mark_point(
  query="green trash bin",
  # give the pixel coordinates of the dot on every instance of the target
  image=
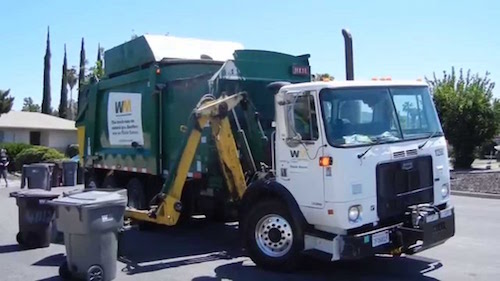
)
(90, 221)
(35, 217)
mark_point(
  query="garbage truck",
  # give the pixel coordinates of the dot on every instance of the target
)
(339, 169)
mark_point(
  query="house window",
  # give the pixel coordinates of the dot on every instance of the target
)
(35, 138)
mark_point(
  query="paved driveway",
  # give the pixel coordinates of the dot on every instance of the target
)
(205, 251)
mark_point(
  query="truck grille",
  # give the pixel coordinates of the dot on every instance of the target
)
(403, 183)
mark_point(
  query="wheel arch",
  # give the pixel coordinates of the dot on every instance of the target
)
(270, 189)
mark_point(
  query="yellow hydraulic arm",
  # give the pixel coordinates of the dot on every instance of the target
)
(215, 112)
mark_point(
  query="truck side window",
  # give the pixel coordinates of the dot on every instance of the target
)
(304, 117)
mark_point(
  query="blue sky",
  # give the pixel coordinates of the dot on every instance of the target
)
(401, 39)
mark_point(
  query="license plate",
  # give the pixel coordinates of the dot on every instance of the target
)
(380, 238)
(431, 218)
(446, 213)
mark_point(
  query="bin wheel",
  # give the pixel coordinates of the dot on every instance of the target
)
(95, 273)
(64, 272)
(19, 238)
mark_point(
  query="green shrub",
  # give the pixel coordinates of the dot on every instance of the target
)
(72, 150)
(37, 154)
(13, 149)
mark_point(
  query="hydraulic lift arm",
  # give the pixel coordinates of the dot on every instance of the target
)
(167, 212)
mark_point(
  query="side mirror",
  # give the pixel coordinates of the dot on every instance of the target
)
(294, 141)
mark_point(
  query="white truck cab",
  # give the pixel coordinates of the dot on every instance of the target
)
(367, 164)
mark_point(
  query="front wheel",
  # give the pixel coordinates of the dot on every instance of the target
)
(273, 240)
(95, 273)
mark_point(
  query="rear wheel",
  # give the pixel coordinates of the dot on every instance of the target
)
(19, 238)
(64, 272)
(109, 182)
(135, 194)
(95, 273)
(272, 238)
(91, 181)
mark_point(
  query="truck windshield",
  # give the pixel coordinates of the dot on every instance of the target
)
(365, 116)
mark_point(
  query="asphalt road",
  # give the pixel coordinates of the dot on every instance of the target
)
(203, 251)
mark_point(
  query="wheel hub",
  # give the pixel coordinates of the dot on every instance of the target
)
(274, 235)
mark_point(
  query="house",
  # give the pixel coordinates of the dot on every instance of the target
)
(37, 129)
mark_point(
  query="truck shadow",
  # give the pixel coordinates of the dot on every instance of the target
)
(194, 242)
(371, 269)
(203, 241)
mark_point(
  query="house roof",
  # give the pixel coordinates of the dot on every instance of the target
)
(34, 120)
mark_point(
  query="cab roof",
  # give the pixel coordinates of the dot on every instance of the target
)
(355, 83)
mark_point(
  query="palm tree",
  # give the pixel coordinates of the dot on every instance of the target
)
(71, 76)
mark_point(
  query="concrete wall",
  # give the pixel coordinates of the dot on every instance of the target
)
(61, 139)
(55, 139)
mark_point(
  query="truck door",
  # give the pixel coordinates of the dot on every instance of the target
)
(298, 148)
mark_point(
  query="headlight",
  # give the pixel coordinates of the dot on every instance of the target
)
(445, 190)
(439, 151)
(354, 213)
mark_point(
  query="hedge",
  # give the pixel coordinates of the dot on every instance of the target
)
(13, 149)
(37, 154)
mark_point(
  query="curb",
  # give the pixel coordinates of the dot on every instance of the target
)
(475, 194)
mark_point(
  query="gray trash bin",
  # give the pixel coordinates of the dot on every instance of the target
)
(37, 175)
(69, 173)
(35, 217)
(90, 221)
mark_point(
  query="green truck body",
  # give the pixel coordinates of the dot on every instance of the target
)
(132, 122)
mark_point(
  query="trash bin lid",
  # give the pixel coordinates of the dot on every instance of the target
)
(34, 193)
(42, 164)
(93, 198)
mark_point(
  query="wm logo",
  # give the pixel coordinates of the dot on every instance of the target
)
(123, 106)
(294, 153)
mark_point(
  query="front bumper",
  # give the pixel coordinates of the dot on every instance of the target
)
(434, 229)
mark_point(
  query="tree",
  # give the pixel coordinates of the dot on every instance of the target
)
(73, 107)
(97, 71)
(6, 101)
(71, 76)
(322, 77)
(81, 73)
(467, 110)
(63, 103)
(29, 105)
(46, 78)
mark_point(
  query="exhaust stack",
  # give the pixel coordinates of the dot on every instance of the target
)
(349, 61)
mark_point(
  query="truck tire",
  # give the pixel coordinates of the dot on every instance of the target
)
(135, 194)
(109, 182)
(273, 240)
(91, 181)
